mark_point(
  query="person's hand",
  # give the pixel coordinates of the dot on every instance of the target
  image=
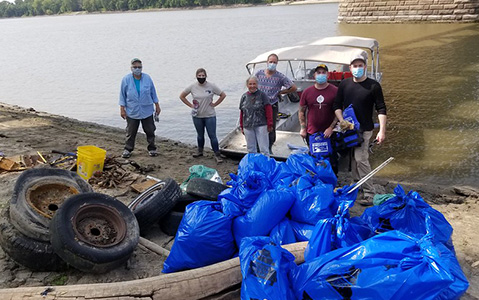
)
(157, 110)
(303, 133)
(123, 113)
(270, 128)
(328, 132)
(380, 137)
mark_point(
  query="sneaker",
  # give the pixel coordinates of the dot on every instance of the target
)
(366, 201)
(198, 154)
(218, 158)
(152, 153)
(126, 154)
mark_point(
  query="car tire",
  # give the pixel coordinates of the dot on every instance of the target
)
(30, 253)
(170, 223)
(37, 195)
(155, 203)
(183, 201)
(94, 232)
(205, 189)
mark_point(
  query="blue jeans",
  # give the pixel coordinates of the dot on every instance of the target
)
(210, 124)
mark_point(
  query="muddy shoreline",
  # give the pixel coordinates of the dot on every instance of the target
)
(26, 131)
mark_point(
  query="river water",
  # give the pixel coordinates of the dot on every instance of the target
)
(73, 65)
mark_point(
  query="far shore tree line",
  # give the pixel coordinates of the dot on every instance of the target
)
(52, 7)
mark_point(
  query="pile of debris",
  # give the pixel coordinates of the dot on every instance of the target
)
(113, 175)
(22, 162)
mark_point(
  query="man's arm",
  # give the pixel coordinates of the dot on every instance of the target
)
(291, 89)
(302, 120)
(381, 136)
(339, 114)
(122, 100)
(329, 131)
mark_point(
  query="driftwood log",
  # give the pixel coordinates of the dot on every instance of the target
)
(192, 284)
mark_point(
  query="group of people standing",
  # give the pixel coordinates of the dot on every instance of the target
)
(321, 108)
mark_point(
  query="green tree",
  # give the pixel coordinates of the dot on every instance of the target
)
(37, 7)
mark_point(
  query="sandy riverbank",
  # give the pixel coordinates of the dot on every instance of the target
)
(25, 131)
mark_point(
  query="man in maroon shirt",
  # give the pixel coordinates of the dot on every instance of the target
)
(316, 112)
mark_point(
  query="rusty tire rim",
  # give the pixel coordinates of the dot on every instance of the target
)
(46, 198)
(99, 226)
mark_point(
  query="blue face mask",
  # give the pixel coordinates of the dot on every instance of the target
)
(136, 72)
(357, 72)
(272, 67)
(321, 78)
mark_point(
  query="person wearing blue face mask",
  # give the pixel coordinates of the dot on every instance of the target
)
(365, 95)
(138, 104)
(316, 112)
(271, 82)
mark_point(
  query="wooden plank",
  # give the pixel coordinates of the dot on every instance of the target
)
(142, 186)
(7, 164)
(192, 284)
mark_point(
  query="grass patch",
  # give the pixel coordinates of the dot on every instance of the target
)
(60, 279)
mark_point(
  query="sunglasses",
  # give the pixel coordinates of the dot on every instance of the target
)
(136, 67)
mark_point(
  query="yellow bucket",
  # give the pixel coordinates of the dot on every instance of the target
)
(90, 159)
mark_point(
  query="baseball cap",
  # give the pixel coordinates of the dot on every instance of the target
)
(362, 55)
(134, 60)
(321, 66)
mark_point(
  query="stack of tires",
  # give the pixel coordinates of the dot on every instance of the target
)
(54, 220)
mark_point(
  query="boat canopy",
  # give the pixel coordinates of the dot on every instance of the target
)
(349, 41)
(319, 53)
(333, 50)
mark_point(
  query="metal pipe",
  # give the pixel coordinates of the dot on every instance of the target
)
(369, 175)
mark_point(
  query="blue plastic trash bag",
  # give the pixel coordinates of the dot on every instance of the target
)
(244, 192)
(304, 164)
(302, 231)
(204, 237)
(392, 265)
(265, 268)
(256, 162)
(343, 196)
(283, 233)
(406, 213)
(277, 172)
(314, 201)
(270, 208)
(460, 284)
(336, 232)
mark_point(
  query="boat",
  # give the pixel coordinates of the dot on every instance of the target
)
(298, 63)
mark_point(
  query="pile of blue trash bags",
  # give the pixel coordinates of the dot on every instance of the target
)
(400, 249)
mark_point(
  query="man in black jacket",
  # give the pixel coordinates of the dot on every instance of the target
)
(365, 94)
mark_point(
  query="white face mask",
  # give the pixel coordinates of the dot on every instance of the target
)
(272, 66)
(357, 72)
(136, 72)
